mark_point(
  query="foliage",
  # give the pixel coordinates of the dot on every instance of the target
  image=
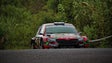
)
(20, 19)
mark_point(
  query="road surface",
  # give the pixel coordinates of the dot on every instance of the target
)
(76, 55)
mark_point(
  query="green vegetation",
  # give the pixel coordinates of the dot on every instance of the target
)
(20, 19)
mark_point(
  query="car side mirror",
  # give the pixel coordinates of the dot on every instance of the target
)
(41, 34)
(79, 33)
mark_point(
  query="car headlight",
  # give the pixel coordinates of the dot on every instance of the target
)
(80, 39)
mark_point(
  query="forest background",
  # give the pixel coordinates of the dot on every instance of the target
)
(20, 19)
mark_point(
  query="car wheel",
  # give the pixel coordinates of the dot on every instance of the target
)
(34, 46)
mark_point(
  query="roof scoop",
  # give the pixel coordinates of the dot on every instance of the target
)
(59, 23)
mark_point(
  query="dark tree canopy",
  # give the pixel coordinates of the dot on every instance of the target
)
(20, 19)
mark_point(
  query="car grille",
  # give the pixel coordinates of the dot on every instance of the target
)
(64, 42)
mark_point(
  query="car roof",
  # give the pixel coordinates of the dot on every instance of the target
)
(65, 24)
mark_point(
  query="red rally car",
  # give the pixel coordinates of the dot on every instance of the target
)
(58, 35)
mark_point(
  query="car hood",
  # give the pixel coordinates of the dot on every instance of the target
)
(65, 36)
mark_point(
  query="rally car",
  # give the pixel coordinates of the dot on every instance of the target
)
(58, 35)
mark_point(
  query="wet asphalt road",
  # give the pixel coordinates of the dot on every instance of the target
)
(76, 55)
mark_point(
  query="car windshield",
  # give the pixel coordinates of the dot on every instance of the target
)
(60, 29)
